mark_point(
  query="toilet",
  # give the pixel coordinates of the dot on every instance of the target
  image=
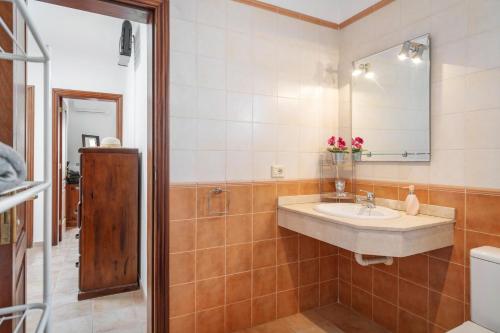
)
(485, 292)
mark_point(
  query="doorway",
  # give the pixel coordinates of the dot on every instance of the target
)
(93, 113)
(155, 14)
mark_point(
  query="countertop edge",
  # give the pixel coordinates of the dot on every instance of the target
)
(326, 218)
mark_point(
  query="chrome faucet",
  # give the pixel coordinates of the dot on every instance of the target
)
(369, 202)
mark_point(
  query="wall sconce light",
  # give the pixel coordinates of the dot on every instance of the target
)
(412, 50)
(363, 68)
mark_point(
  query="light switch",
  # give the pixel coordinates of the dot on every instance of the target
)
(277, 171)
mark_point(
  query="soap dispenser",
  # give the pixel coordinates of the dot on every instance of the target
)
(412, 204)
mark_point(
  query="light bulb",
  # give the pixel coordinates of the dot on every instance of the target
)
(402, 56)
(356, 72)
(370, 75)
(416, 60)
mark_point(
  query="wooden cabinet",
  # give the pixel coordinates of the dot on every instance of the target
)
(72, 197)
(108, 218)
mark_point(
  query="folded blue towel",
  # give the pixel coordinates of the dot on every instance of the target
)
(12, 168)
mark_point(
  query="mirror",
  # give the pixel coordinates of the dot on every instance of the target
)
(390, 102)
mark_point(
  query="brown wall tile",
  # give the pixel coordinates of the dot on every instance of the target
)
(238, 258)
(308, 297)
(182, 324)
(238, 316)
(308, 247)
(362, 302)
(287, 249)
(390, 269)
(238, 229)
(328, 292)
(264, 226)
(447, 278)
(263, 309)
(345, 292)
(287, 188)
(181, 235)
(309, 272)
(386, 192)
(210, 321)
(415, 269)
(288, 276)
(362, 276)
(210, 263)
(264, 197)
(182, 267)
(445, 311)
(385, 286)
(326, 249)
(328, 268)
(385, 314)
(210, 293)
(409, 323)
(210, 232)
(182, 203)
(181, 299)
(308, 187)
(345, 270)
(454, 199)
(244, 243)
(287, 303)
(483, 212)
(239, 199)
(413, 298)
(264, 253)
(284, 232)
(264, 281)
(238, 287)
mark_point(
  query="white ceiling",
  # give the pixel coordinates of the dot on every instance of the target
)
(331, 10)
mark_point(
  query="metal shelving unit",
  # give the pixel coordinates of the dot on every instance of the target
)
(30, 190)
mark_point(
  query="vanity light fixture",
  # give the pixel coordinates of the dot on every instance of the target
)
(417, 58)
(412, 50)
(370, 75)
(356, 72)
(405, 51)
(363, 68)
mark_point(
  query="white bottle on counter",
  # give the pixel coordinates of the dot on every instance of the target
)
(412, 204)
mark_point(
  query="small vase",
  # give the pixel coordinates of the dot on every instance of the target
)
(340, 186)
(338, 157)
(356, 156)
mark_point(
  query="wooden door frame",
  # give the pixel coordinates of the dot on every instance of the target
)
(58, 95)
(158, 144)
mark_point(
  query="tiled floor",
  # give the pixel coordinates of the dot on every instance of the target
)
(124, 313)
(333, 318)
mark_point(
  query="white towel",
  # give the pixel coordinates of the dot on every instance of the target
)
(12, 168)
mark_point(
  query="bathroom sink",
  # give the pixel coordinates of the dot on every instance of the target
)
(357, 211)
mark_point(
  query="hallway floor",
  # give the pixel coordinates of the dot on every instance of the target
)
(333, 318)
(124, 313)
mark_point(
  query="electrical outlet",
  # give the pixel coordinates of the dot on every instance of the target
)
(277, 171)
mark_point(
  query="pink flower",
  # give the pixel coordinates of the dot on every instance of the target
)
(331, 141)
(359, 140)
(341, 143)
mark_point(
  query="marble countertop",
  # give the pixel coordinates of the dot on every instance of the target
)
(430, 216)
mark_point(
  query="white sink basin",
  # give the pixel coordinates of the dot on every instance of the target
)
(357, 211)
